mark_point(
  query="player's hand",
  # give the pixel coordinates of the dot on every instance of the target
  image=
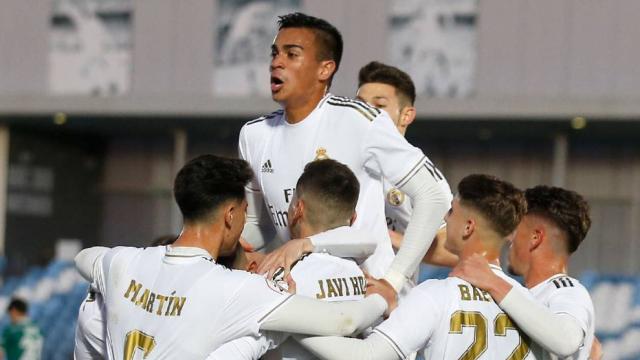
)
(284, 256)
(384, 289)
(596, 350)
(475, 269)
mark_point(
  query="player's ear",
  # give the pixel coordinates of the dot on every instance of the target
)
(469, 228)
(298, 212)
(407, 115)
(229, 210)
(326, 70)
(537, 236)
(354, 216)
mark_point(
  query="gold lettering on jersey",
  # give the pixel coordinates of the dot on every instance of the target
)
(135, 287)
(150, 301)
(341, 287)
(464, 292)
(321, 154)
(395, 197)
(473, 294)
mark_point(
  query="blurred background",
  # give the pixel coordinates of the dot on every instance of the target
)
(102, 101)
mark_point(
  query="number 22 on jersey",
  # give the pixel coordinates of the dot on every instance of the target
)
(502, 323)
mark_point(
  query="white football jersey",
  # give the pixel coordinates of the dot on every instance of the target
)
(349, 131)
(91, 330)
(397, 208)
(318, 276)
(177, 303)
(451, 319)
(565, 295)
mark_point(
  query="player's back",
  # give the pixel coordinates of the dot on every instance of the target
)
(450, 319)
(474, 327)
(168, 303)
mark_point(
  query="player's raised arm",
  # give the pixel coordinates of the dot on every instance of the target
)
(412, 172)
(374, 347)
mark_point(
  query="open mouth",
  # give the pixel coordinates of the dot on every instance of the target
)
(276, 84)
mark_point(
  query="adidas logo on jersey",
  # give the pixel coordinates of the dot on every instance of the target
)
(266, 167)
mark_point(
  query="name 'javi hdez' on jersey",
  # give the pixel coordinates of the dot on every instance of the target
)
(349, 131)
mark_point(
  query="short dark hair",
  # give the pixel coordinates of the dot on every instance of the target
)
(377, 72)
(331, 192)
(327, 36)
(206, 182)
(566, 208)
(19, 305)
(499, 202)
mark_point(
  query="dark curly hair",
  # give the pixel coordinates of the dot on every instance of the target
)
(501, 203)
(567, 209)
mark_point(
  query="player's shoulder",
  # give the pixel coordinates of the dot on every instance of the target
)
(323, 262)
(561, 286)
(265, 119)
(351, 107)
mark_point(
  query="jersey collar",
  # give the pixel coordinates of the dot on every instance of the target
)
(187, 252)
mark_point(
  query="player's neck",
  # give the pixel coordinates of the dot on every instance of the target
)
(542, 269)
(485, 248)
(201, 236)
(297, 111)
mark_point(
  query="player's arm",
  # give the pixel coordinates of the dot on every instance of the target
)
(405, 166)
(244, 348)
(88, 264)
(437, 254)
(304, 315)
(344, 241)
(257, 229)
(559, 333)
(431, 199)
(342, 348)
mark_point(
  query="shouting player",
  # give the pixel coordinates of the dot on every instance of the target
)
(451, 319)
(175, 301)
(391, 89)
(314, 124)
(561, 322)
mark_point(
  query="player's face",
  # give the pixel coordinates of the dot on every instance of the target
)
(519, 255)
(382, 96)
(456, 221)
(294, 67)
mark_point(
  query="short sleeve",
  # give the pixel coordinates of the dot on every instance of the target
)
(410, 327)
(388, 153)
(253, 300)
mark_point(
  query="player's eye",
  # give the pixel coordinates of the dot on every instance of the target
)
(292, 54)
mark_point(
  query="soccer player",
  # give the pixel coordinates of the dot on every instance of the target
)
(21, 339)
(561, 319)
(388, 88)
(451, 319)
(91, 330)
(313, 124)
(175, 301)
(325, 198)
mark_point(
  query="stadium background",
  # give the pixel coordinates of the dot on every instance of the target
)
(543, 91)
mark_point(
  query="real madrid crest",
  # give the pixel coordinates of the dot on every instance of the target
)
(321, 154)
(395, 197)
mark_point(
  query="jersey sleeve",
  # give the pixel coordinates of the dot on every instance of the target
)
(345, 242)
(251, 302)
(575, 302)
(412, 324)
(388, 153)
